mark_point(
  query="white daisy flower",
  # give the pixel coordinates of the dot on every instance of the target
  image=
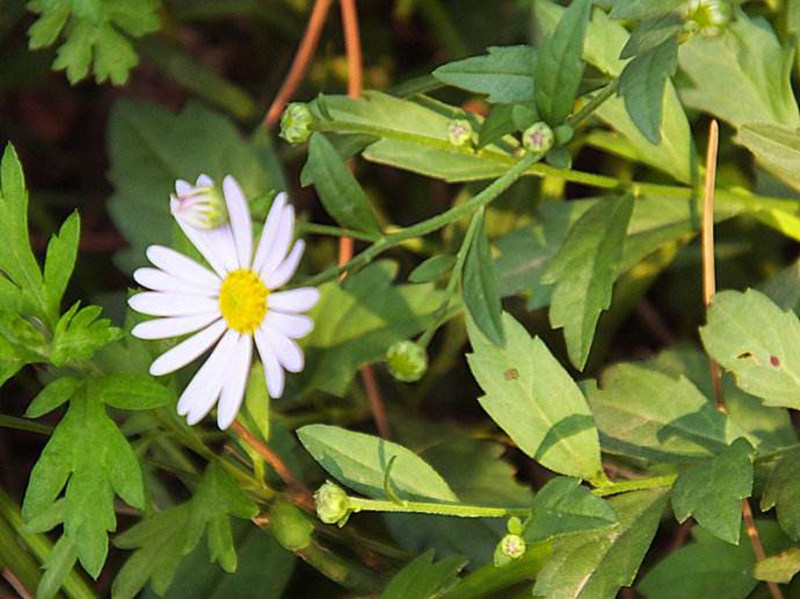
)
(232, 306)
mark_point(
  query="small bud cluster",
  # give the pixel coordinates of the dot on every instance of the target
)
(460, 133)
(333, 504)
(512, 546)
(407, 361)
(538, 138)
(296, 123)
(707, 17)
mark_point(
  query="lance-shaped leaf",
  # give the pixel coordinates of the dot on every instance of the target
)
(432, 268)
(338, 189)
(562, 507)
(360, 461)
(651, 33)
(712, 491)
(424, 578)
(533, 399)
(480, 287)
(642, 9)
(757, 341)
(583, 273)
(782, 492)
(779, 568)
(505, 74)
(598, 563)
(60, 261)
(216, 499)
(776, 147)
(560, 65)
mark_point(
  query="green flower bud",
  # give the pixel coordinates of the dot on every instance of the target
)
(200, 206)
(290, 527)
(709, 18)
(514, 526)
(460, 132)
(407, 361)
(564, 134)
(333, 504)
(538, 137)
(559, 157)
(296, 123)
(510, 548)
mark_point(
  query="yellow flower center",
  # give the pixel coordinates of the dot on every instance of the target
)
(243, 300)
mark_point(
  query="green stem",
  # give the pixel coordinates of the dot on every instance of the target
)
(22, 424)
(350, 575)
(480, 200)
(314, 228)
(637, 484)
(359, 504)
(593, 104)
(490, 579)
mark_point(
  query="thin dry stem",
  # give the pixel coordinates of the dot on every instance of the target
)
(16, 584)
(305, 52)
(755, 541)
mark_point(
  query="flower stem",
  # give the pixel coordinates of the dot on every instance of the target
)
(317, 229)
(593, 104)
(359, 504)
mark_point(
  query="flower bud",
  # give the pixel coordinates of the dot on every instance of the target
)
(407, 361)
(201, 206)
(333, 504)
(460, 132)
(707, 17)
(290, 527)
(538, 138)
(509, 548)
(296, 123)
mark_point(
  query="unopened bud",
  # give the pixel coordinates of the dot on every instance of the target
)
(460, 132)
(290, 526)
(333, 504)
(407, 361)
(538, 138)
(201, 206)
(510, 548)
(296, 123)
(707, 17)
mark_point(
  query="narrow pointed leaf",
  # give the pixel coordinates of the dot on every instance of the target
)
(481, 289)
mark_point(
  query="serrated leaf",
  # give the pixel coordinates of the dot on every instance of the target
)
(712, 491)
(757, 341)
(89, 455)
(114, 57)
(216, 499)
(131, 391)
(779, 568)
(79, 333)
(62, 250)
(642, 84)
(583, 273)
(499, 123)
(560, 65)
(432, 268)
(52, 396)
(562, 507)
(338, 189)
(506, 74)
(651, 33)
(360, 461)
(533, 399)
(480, 287)
(649, 415)
(57, 566)
(598, 563)
(642, 9)
(782, 492)
(424, 578)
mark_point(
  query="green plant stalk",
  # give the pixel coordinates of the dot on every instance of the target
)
(74, 585)
(593, 104)
(22, 424)
(480, 200)
(359, 504)
(350, 575)
(303, 228)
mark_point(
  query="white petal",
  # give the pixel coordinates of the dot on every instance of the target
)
(242, 226)
(286, 350)
(181, 266)
(156, 303)
(163, 328)
(203, 390)
(269, 231)
(187, 350)
(158, 280)
(294, 300)
(234, 386)
(272, 369)
(204, 181)
(293, 326)
(280, 244)
(215, 245)
(182, 186)
(285, 271)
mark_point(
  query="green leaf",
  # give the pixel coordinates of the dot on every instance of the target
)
(355, 322)
(709, 567)
(782, 492)
(497, 125)
(480, 287)
(338, 189)
(562, 507)
(779, 568)
(757, 341)
(60, 261)
(649, 415)
(52, 396)
(652, 33)
(776, 147)
(360, 461)
(114, 57)
(750, 55)
(159, 542)
(79, 334)
(642, 9)
(533, 399)
(216, 499)
(712, 491)
(506, 74)
(783, 288)
(424, 578)
(89, 455)
(583, 273)
(131, 391)
(57, 566)
(150, 148)
(45, 30)
(642, 84)
(598, 563)
(21, 343)
(257, 400)
(559, 68)
(432, 269)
